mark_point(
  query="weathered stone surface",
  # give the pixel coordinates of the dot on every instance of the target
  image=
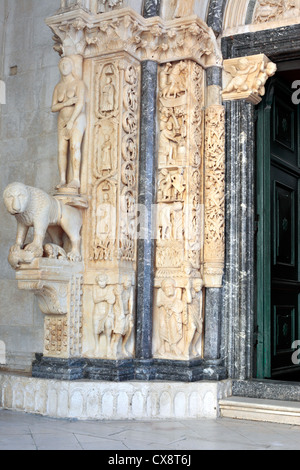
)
(105, 400)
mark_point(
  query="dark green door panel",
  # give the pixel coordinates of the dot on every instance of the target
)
(278, 196)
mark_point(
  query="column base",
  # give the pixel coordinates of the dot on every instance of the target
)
(58, 369)
(195, 370)
(109, 370)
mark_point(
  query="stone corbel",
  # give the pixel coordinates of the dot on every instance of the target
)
(52, 297)
(245, 78)
(49, 279)
(57, 285)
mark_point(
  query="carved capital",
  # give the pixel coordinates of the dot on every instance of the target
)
(90, 35)
(245, 78)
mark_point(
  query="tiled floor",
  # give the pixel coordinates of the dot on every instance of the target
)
(20, 431)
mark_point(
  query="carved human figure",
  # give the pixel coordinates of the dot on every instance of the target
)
(69, 101)
(184, 8)
(173, 80)
(128, 306)
(103, 315)
(105, 163)
(266, 72)
(170, 308)
(165, 185)
(107, 97)
(169, 143)
(105, 218)
(123, 314)
(240, 75)
(177, 221)
(170, 221)
(119, 320)
(192, 329)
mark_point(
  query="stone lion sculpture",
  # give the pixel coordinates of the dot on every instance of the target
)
(34, 208)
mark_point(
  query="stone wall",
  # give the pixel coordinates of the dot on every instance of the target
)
(28, 66)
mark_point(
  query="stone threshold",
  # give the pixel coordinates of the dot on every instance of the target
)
(264, 410)
(267, 389)
(103, 400)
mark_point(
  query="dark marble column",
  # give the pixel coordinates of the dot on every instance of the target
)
(215, 15)
(213, 310)
(238, 316)
(146, 245)
(151, 8)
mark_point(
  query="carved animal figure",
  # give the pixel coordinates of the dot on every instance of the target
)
(33, 207)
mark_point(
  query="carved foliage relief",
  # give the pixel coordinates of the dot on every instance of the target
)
(179, 238)
(214, 195)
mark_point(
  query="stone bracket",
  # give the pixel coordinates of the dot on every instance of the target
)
(245, 78)
(57, 285)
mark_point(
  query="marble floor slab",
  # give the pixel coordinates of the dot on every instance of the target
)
(20, 431)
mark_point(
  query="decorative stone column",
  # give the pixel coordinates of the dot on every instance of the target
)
(244, 80)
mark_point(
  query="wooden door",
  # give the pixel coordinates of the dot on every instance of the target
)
(279, 230)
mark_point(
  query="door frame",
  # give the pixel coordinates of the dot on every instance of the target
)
(239, 320)
(263, 239)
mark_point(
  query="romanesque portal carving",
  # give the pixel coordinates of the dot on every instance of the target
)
(84, 277)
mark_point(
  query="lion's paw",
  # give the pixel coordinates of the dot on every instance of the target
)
(74, 256)
(35, 249)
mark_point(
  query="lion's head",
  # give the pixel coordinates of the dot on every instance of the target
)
(16, 198)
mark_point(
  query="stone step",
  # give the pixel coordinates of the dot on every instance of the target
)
(255, 409)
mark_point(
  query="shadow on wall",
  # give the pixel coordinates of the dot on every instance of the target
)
(2, 353)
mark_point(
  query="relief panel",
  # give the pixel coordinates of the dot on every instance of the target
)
(109, 238)
(178, 309)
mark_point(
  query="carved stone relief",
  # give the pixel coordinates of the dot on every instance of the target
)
(214, 195)
(57, 285)
(179, 240)
(245, 77)
(125, 30)
(34, 208)
(69, 101)
(110, 233)
(113, 318)
(274, 10)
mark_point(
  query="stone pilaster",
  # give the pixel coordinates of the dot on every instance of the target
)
(237, 329)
